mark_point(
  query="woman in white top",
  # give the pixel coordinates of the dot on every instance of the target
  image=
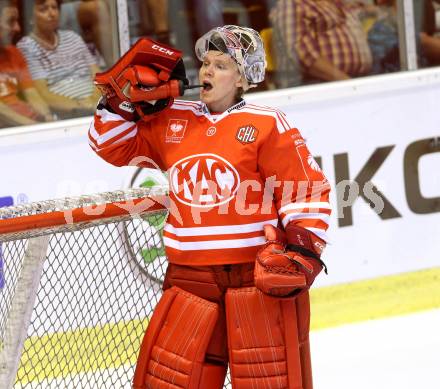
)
(60, 62)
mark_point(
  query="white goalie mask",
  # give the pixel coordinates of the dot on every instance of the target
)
(243, 44)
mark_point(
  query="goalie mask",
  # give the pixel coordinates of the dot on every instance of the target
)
(243, 44)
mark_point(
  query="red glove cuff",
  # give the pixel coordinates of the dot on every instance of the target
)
(304, 242)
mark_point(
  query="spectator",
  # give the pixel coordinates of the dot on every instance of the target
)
(429, 47)
(94, 20)
(208, 15)
(60, 62)
(68, 17)
(287, 72)
(153, 20)
(329, 39)
(15, 78)
(383, 38)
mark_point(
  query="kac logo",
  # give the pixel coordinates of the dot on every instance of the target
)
(204, 180)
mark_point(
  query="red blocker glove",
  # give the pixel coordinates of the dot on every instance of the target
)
(289, 262)
(144, 81)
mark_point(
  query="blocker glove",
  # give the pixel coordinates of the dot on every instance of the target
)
(144, 81)
(289, 261)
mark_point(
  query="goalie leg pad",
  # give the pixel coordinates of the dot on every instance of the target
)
(264, 350)
(173, 350)
(213, 376)
(302, 305)
(211, 283)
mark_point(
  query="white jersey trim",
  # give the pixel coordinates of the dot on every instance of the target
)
(200, 109)
(92, 145)
(114, 132)
(302, 216)
(131, 134)
(185, 106)
(303, 206)
(196, 104)
(107, 116)
(214, 244)
(320, 233)
(219, 230)
(282, 124)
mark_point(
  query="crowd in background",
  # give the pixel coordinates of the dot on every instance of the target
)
(47, 65)
(50, 50)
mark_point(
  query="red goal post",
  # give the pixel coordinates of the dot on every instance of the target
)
(79, 279)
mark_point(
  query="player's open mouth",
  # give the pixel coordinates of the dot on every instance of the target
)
(207, 86)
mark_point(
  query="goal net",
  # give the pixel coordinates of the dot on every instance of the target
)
(79, 278)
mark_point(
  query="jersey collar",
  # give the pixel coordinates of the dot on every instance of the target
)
(215, 117)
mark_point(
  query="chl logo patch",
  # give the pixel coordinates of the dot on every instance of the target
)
(247, 134)
(175, 130)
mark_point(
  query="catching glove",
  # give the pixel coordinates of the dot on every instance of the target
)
(289, 261)
(144, 81)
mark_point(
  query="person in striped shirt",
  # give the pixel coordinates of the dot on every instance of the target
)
(60, 63)
(249, 210)
(327, 37)
(20, 102)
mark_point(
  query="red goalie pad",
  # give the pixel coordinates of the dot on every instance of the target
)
(265, 349)
(172, 354)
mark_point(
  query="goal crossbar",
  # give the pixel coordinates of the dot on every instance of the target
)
(38, 217)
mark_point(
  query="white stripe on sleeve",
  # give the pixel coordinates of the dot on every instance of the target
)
(114, 132)
(219, 230)
(302, 206)
(214, 244)
(296, 216)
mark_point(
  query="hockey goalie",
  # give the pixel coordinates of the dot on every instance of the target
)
(249, 210)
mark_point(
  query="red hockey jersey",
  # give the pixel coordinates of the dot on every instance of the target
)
(229, 175)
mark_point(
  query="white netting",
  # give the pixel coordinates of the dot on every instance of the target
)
(99, 285)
